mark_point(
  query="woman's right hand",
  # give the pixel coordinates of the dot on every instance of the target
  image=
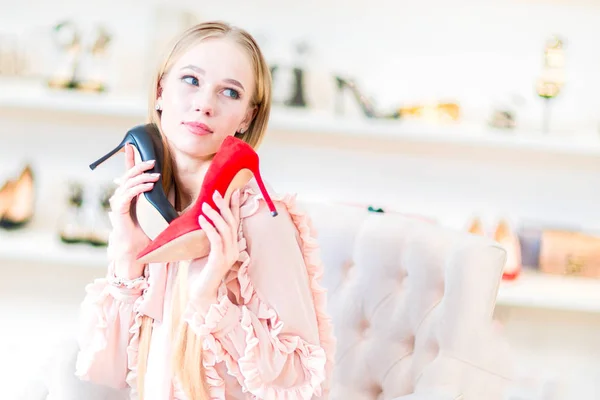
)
(127, 239)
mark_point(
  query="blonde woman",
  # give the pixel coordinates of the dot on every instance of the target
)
(248, 320)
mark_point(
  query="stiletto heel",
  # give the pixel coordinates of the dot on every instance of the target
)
(153, 210)
(231, 169)
(366, 106)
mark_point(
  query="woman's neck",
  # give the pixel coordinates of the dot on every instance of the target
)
(189, 175)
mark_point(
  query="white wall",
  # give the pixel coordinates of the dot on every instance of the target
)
(479, 52)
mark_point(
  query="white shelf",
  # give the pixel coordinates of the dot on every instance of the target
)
(34, 95)
(555, 292)
(44, 247)
(529, 290)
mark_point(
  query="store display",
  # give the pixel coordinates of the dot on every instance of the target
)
(552, 78)
(17, 200)
(437, 112)
(81, 60)
(366, 105)
(86, 218)
(289, 81)
(68, 44)
(507, 238)
(573, 253)
(93, 69)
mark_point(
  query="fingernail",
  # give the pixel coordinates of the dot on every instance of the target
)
(155, 175)
(150, 162)
(217, 193)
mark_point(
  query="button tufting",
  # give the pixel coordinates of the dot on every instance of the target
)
(403, 274)
(401, 277)
(377, 390)
(364, 328)
(346, 268)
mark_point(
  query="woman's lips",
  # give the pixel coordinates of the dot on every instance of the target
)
(198, 128)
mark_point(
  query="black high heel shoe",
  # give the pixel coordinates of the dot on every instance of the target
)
(364, 103)
(153, 210)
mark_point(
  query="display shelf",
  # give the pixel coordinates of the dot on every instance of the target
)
(531, 289)
(557, 292)
(34, 95)
(45, 248)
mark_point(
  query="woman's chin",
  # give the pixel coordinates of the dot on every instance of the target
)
(200, 147)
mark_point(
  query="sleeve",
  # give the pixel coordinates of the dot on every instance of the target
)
(271, 342)
(108, 324)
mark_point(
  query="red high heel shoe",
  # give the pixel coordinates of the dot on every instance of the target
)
(232, 167)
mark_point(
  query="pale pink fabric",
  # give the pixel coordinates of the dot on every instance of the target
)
(268, 337)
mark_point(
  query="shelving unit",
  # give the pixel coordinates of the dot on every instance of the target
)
(531, 289)
(34, 95)
(44, 247)
(40, 245)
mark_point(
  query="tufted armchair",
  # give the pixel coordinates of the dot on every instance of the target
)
(412, 305)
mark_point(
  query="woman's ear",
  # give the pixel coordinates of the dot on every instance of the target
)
(250, 114)
(159, 89)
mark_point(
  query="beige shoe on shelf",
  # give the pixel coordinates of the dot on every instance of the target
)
(17, 200)
(507, 238)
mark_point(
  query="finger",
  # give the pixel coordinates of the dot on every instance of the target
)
(125, 200)
(139, 179)
(137, 169)
(217, 220)
(225, 210)
(216, 243)
(129, 156)
(234, 209)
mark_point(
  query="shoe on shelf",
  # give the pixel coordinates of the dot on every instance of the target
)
(72, 226)
(507, 238)
(99, 225)
(17, 200)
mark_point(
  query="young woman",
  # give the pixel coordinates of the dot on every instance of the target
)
(249, 319)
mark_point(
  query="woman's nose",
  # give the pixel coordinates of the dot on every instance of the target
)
(203, 102)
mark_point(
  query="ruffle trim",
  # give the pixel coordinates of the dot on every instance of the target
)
(316, 360)
(133, 346)
(310, 250)
(312, 357)
(213, 352)
(97, 292)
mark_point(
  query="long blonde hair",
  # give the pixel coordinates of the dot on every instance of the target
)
(187, 348)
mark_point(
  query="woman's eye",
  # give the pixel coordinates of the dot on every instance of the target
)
(190, 80)
(234, 94)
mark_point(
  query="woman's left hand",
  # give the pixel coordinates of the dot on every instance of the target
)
(223, 237)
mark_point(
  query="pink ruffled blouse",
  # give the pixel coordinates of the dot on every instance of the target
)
(267, 337)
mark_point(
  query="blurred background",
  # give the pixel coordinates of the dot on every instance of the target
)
(483, 116)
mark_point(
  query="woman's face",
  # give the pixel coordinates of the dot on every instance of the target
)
(206, 97)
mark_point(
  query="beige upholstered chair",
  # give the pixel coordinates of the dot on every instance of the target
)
(412, 306)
